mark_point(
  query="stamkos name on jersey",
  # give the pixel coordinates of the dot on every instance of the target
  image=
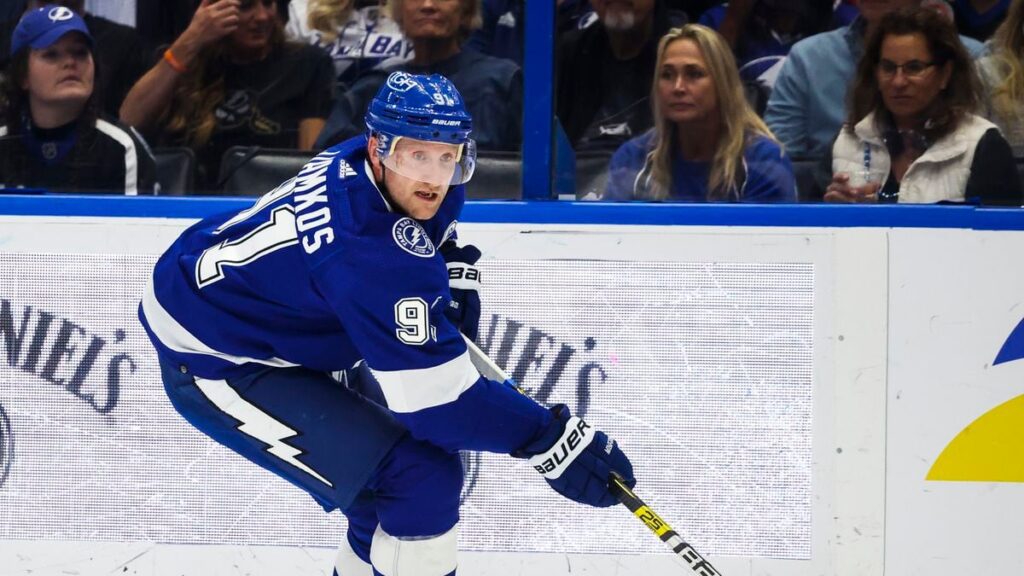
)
(313, 224)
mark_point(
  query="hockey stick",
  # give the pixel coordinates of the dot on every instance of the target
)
(697, 564)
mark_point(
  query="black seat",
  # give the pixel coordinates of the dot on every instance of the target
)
(812, 176)
(757, 95)
(592, 174)
(175, 170)
(254, 171)
(498, 176)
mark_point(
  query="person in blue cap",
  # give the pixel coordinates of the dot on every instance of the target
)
(251, 312)
(52, 136)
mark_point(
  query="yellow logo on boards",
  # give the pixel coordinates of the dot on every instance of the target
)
(990, 449)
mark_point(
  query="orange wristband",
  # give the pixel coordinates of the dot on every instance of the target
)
(174, 63)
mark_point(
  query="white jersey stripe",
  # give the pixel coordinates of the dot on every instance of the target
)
(414, 390)
(131, 155)
(177, 338)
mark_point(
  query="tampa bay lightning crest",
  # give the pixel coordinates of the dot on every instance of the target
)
(412, 238)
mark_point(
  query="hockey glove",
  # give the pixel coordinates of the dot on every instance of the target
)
(464, 283)
(577, 460)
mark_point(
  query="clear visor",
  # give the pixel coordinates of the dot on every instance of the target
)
(434, 163)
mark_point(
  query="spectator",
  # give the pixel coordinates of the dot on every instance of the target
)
(492, 87)
(807, 105)
(231, 79)
(979, 18)
(572, 15)
(911, 135)
(358, 34)
(52, 137)
(761, 32)
(605, 72)
(502, 29)
(120, 53)
(708, 144)
(502, 33)
(1002, 73)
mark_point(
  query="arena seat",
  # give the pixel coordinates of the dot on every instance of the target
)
(175, 170)
(811, 178)
(498, 176)
(254, 171)
(592, 174)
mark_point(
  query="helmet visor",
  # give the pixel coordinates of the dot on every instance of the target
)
(436, 163)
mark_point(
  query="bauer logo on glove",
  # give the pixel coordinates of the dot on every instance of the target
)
(576, 437)
(577, 460)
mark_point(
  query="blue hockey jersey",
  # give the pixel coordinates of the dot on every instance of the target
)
(322, 272)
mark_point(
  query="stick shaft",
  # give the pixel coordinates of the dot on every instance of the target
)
(697, 564)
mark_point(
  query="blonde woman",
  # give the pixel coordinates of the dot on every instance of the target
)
(230, 79)
(707, 144)
(359, 35)
(1002, 73)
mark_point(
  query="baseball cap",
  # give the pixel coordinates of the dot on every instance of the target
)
(42, 27)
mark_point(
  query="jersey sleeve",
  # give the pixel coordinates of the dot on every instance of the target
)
(389, 287)
(770, 176)
(623, 168)
(786, 114)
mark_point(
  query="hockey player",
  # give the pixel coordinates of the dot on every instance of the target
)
(251, 312)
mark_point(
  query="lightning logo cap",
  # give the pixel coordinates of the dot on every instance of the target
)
(42, 27)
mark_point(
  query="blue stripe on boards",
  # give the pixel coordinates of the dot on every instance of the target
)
(792, 215)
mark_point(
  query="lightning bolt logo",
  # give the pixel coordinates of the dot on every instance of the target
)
(256, 423)
(415, 233)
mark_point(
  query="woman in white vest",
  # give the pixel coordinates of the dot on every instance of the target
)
(912, 135)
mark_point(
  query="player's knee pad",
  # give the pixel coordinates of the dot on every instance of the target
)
(421, 556)
(350, 564)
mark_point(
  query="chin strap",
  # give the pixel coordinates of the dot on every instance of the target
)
(385, 192)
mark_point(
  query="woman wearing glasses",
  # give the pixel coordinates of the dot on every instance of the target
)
(912, 135)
